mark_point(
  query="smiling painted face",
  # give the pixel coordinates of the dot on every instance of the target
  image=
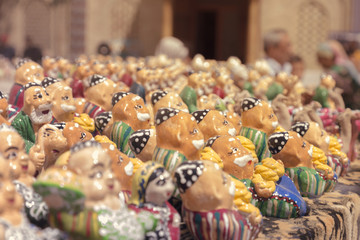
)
(93, 164)
(213, 123)
(130, 109)
(37, 104)
(13, 151)
(292, 149)
(179, 131)
(237, 160)
(259, 115)
(204, 186)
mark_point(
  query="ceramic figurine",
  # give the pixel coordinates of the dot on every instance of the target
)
(235, 120)
(82, 72)
(129, 114)
(281, 111)
(103, 123)
(82, 197)
(74, 133)
(161, 99)
(327, 95)
(258, 122)
(142, 144)
(27, 71)
(35, 113)
(178, 138)
(50, 144)
(272, 192)
(63, 104)
(213, 123)
(207, 194)
(50, 67)
(152, 187)
(100, 91)
(313, 133)
(4, 109)
(189, 96)
(310, 172)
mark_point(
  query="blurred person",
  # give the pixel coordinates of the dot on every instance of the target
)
(297, 66)
(5, 49)
(278, 49)
(32, 51)
(172, 47)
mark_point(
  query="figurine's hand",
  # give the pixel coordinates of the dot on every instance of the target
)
(37, 157)
(255, 219)
(262, 190)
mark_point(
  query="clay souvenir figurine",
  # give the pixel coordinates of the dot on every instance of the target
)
(82, 72)
(50, 144)
(35, 113)
(188, 95)
(178, 138)
(99, 93)
(63, 104)
(3, 109)
(152, 187)
(281, 111)
(272, 192)
(213, 123)
(234, 119)
(142, 144)
(74, 133)
(161, 99)
(50, 67)
(310, 172)
(129, 114)
(82, 197)
(27, 71)
(258, 122)
(327, 94)
(313, 133)
(103, 123)
(208, 209)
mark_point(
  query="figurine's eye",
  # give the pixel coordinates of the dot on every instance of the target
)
(83, 135)
(233, 150)
(179, 104)
(322, 133)
(271, 115)
(303, 145)
(37, 74)
(138, 107)
(160, 182)
(12, 155)
(224, 179)
(65, 98)
(225, 122)
(96, 175)
(39, 95)
(120, 160)
(194, 131)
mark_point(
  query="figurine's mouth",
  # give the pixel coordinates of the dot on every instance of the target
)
(45, 112)
(24, 167)
(11, 200)
(111, 186)
(243, 161)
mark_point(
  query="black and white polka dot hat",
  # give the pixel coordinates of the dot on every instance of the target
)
(60, 125)
(96, 79)
(3, 95)
(164, 114)
(277, 141)
(187, 173)
(156, 96)
(118, 96)
(102, 120)
(48, 81)
(31, 84)
(82, 145)
(139, 139)
(200, 114)
(211, 141)
(301, 128)
(249, 103)
(22, 62)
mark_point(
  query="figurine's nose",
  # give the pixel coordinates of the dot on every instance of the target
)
(9, 188)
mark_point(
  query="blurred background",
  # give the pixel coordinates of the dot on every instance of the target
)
(215, 28)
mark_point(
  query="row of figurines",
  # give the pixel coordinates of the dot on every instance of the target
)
(259, 183)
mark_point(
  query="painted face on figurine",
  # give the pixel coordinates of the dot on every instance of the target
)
(12, 148)
(100, 91)
(120, 165)
(83, 71)
(90, 161)
(313, 133)
(74, 134)
(50, 66)
(161, 99)
(37, 104)
(204, 186)
(53, 142)
(259, 115)
(3, 105)
(28, 71)
(328, 81)
(100, 68)
(213, 123)
(143, 143)
(237, 160)
(292, 149)
(63, 107)
(178, 130)
(151, 184)
(130, 109)
(235, 119)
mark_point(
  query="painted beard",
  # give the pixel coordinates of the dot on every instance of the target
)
(42, 114)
